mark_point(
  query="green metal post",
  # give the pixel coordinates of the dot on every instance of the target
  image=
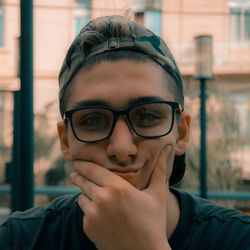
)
(26, 106)
(15, 167)
(203, 153)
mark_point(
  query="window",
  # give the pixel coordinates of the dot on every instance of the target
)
(1, 24)
(247, 23)
(152, 20)
(148, 13)
(82, 14)
(240, 23)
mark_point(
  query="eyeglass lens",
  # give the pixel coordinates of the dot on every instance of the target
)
(93, 124)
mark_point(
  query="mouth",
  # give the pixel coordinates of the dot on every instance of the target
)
(127, 174)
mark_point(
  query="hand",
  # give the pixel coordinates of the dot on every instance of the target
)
(119, 216)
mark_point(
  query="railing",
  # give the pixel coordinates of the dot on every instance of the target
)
(60, 190)
(224, 52)
(47, 190)
(223, 195)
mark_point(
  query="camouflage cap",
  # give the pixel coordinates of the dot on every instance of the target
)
(140, 39)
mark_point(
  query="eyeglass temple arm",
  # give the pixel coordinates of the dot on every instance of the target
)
(180, 109)
(65, 118)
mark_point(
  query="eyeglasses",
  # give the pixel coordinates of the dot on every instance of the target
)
(150, 119)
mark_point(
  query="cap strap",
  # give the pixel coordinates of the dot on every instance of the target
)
(112, 44)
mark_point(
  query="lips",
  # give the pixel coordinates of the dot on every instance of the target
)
(127, 174)
(124, 170)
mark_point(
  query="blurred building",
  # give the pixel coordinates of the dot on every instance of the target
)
(56, 22)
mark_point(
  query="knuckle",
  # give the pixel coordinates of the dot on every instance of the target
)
(103, 198)
(76, 165)
(80, 200)
(86, 224)
(118, 189)
(88, 170)
(90, 216)
(83, 167)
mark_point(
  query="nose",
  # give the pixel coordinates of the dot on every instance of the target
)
(121, 144)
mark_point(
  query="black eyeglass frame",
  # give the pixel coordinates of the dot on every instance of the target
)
(174, 105)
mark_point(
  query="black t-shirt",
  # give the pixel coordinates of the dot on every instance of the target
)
(204, 225)
(58, 225)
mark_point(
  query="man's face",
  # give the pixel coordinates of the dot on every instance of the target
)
(117, 83)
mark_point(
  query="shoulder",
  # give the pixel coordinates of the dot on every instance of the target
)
(57, 206)
(221, 223)
(26, 228)
(215, 226)
(205, 210)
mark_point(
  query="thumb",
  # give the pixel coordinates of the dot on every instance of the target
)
(159, 174)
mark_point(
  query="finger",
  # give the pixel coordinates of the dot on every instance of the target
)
(159, 174)
(99, 175)
(87, 187)
(84, 203)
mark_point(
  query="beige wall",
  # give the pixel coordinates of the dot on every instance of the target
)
(185, 19)
(182, 20)
(109, 7)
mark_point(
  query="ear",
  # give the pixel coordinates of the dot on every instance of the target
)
(64, 144)
(183, 138)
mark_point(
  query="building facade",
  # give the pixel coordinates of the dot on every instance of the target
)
(56, 22)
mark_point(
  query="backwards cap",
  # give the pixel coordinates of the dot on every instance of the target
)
(138, 39)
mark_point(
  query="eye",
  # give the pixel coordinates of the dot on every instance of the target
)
(92, 121)
(146, 118)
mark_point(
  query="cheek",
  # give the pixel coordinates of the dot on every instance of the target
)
(170, 157)
(151, 149)
(156, 146)
(86, 151)
(77, 149)
(82, 151)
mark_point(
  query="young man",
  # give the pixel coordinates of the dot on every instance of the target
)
(126, 132)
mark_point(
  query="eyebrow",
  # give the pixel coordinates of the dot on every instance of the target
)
(137, 100)
(101, 102)
(90, 102)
